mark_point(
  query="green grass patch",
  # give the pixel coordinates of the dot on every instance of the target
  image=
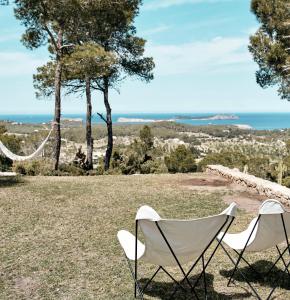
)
(58, 237)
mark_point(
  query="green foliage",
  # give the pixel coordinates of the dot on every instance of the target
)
(87, 61)
(226, 158)
(146, 137)
(181, 160)
(140, 157)
(34, 168)
(260, 167)
(13, 144)
(270, 44)
(288, 146)
(286, 181)
(71, 170)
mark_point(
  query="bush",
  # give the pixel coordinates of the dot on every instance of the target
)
(13, 144)
(153, 167)
(260, 167)
(34, 168)
(231, 159)
(146, 137)
(181, 160)
(286, 181)
(71, 170)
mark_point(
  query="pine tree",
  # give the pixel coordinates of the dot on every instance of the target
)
(270, 45)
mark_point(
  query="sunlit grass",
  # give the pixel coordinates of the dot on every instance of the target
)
(58, 236)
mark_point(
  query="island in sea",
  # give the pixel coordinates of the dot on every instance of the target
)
(207, 118)
(180, 117)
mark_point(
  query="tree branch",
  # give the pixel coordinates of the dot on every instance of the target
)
(47, 29)
(102, 117)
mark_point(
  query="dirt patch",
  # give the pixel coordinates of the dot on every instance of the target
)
(250, 202)
(213, 182)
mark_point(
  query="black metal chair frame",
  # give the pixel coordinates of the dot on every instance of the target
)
(139, 291)
(240, 257)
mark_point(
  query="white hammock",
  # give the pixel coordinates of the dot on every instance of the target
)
(15, 157)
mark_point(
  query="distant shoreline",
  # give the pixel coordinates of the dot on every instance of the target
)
(257, 121)
(209, 117)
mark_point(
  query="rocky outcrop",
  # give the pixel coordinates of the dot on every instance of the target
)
(263, 187)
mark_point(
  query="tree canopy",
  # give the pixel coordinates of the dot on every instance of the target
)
(270, 45)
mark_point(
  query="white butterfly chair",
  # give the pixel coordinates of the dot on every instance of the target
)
(268, 230)
(173, 243)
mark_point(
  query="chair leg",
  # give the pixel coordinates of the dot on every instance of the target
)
(200, 257)
(240, 272)
(174, 255)
(276, 281)
(242, 252)
(204, 277)
(137, 288)
(152, 277)
(282, 258)
(275, 263)
(249, 265)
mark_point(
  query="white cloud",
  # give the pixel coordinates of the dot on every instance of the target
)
(18, 64)
(152, 31)
(209, 56)
(158, 4)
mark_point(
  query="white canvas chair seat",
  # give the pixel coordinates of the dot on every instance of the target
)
(266, 231)
(127, 241)
(169, 242)
(188, 238)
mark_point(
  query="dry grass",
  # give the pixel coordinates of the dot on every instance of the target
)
(58, 237)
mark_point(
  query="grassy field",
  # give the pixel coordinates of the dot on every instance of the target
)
(58, 237)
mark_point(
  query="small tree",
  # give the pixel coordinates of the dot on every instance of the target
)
(146, 137)
(181, 160)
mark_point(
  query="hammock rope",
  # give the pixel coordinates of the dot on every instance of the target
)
(5, 151)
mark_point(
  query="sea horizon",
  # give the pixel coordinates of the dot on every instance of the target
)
(255, 120)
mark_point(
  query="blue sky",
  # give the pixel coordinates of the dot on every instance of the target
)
(201, 56)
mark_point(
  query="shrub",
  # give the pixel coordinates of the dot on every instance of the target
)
(286, 181)
(146, 137)
(13, 144)
(181, 160)
(153, 167)
(34, 167)
(231, 159)
(71, 170)
(259, 166)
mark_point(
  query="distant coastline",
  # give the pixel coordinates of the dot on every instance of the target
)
(180, 117)
(209, 118)
(138, 120)
(257, 121)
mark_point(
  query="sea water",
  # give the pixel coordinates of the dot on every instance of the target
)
(259, 121)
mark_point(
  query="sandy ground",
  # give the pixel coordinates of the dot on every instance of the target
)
(249, 201)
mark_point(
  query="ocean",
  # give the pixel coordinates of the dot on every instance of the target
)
(258, 121)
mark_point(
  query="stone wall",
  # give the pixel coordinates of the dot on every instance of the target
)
(263, 187)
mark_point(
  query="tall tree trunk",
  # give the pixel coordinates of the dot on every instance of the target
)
(57, 109)
(90, 141)
(109, 124)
